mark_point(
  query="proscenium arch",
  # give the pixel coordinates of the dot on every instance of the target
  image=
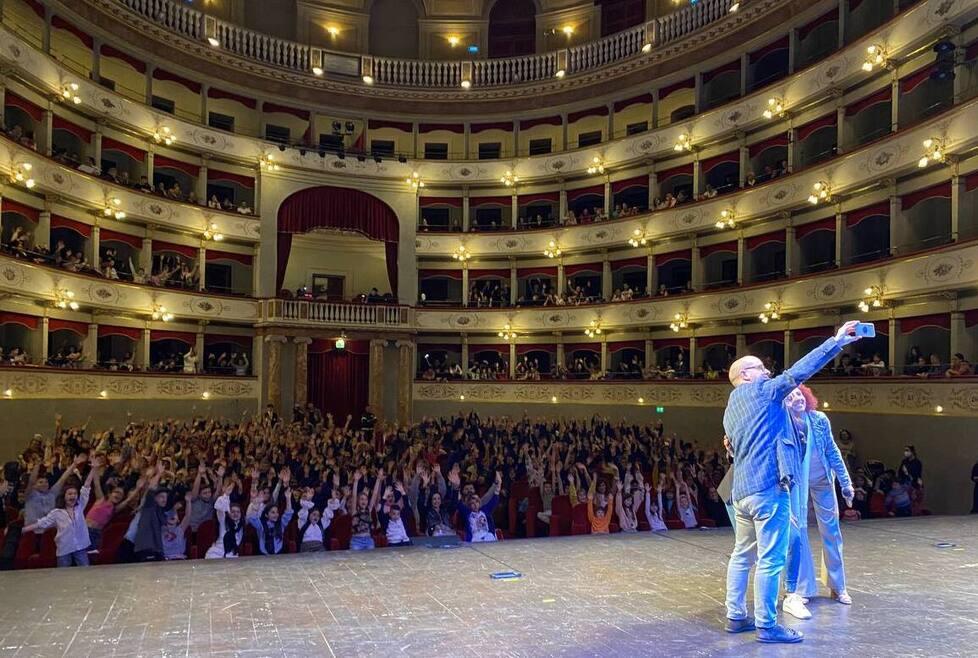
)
(338, 208)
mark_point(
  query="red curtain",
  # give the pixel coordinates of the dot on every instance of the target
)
(339, 208)
(339, 383)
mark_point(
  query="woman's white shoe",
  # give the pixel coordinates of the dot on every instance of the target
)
(842, 597)
(794, 606)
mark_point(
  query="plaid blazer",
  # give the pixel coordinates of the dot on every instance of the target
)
(766, 449)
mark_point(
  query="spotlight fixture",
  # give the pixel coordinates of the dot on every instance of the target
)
(772, 311)
(553, 250)
(453, 40)
(680, 321)
(160, 313)
(65, 299)
(775, 108)
(205, 395)
(341, 341)
(683, 143)
(638, 239)
(22, 174)
(8, 393)
(414, 180)
(875, 56)
(69, 93)
(164, 135)
(461, 254)
(933, 152)
(647, 48)
(507, 333)
(211, 233)
(727, 219)
(820, 192)
(593, 329)
(267, 162)
(561, 64)
(873, 298)
(939, 409)
(368, 79)
(509, 179)
(112, 208)
(596, 166)
(316, 61)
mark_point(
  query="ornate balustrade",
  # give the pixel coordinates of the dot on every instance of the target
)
(870, 395)
(953, 267)
(335, 314)
(430, 74)
(30, 382)
(842, 70)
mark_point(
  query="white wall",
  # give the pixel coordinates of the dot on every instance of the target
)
(361, 261)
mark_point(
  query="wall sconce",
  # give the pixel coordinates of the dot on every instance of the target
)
(933, 152)
(164, 135)
(69, 93)
(333, 31)
(22, 174)
(341, 341)
(875, 56)
(414, 180)
(772, 311)
(507, 333)
(453, 40)
(211, 233)
(461, 254)
(160, 313)
(267, 162)
(597, 166)
(820, 192)
(593, 329)
(112, 208)
(210, 31)
(680, 321)
(683, 143)
(568, 30)
(638, 239)
(65, 299)
(727, 219)
(775, 108)
(509, 179)
(553, 250)
(316, 61)
(874, 298)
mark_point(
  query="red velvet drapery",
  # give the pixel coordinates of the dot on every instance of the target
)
(338, 208)
(338, 382)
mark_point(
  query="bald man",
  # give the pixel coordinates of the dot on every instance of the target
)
(768, 458)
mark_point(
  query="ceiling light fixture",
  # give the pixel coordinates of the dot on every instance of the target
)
(596, 166)
(65, 299)
(933, 152)
(772, 311)
(638, 239)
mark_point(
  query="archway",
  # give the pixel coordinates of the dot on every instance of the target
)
(394, 29)
(512, 28)
(340, 209)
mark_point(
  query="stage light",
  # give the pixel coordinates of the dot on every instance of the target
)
(568, 30)
(461, 397)
(553, 398)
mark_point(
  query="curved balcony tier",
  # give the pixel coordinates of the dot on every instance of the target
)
(948, 268)
(902, 36)
(37, 383)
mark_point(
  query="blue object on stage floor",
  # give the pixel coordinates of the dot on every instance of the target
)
(505, 575)
(944, 544)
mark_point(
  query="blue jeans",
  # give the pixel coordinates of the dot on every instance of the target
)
(761, 536)
(827, 513)
(361, 543)
(799, 571)
(78, 559)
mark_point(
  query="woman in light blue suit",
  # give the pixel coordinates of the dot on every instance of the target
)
(822, 464)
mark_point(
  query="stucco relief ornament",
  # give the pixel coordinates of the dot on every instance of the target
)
(28, 384)
(735, 116)
(854, 397)
(231, 389)
(554, 319)
(205, 306)
(338, 164)
(618, 393)
(437, 392)
(510, 244)
(939, 12)
(884, 158)
(709, 394)
(125, 386)
(600, 235)
(831, 72)
(781, 194)
(556, 164)
(827, 289)
(910, 397)
(646, 313)
(731, 304)
(12, 275)
(79, 386)
(965, 398)
(465, 172)
(210, 140)
(157, 209)
(108, 105)
(103, 293)
(14, 51)
(648, 144)
(688, 218)
(252, 228)
(177, 387)
(942, 268)
(59, 179)
(486, 392)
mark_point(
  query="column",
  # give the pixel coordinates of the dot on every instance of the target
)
(792, 50)
(653, 189)
(313, 134)
(375, 395)
(790, 246)
(958, 333)
(744, 71)
(97, 144)
(891, 356)
(199, 346)
(896, 222)
(301, 395)
(607, 198)
(606, 283)
(466, 139)
(255, 271)
(142, 357)
(839, 233)
(792, 138)
(894, 101)
(43, 351)
(840, 127)
(274, 384)
(46, 35)
(561, 282)
(512, 360)
(90, 346)
(843, 6)
(44, 140)
(745, 161)
(562, 209)
(204, 112)
(611, 122)
(146, 254)
(960, 70)
(466, 213)
(414, 150)
(257, 356)
(696, 267)
(649, 352)
(96, 59)
(741, 253)
(150, 166)
(563, 127)
(516, 138)
(741, 345)
(698, 93)
(202, 268)
(651, 285)
(150, 68)
(786, 357)
(691, 364)
(42, 234)
(405, 381)
(465, 352)
(604, 353)
(655, 109)
(697, 175)
(465, 284)
(201, 190)
(92, 251)
(515, 209)
(514, 283)
(957, 196)
(257, 174)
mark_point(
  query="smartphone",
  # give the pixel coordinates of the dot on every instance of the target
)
(866, 330)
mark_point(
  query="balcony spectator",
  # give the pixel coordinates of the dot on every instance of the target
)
(959, 367)
(213, 203)
(144, 186)
(750, 180)
(89, 167)
(875, 367)
(245, 209)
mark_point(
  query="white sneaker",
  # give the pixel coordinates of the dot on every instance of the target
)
(842, 597)
(794, 606)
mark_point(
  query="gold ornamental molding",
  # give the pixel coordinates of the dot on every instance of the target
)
(60, 384)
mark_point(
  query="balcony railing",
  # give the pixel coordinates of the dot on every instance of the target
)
(294, 56)
(344, 314)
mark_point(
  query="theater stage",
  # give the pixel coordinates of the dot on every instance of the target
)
(638, 595)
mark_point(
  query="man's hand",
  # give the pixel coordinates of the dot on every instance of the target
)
(847, 333)
(849, 494)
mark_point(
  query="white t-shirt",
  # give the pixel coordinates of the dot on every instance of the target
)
(396, 534)
(479, 526)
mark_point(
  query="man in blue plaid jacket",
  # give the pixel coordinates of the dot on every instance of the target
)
(768, 458)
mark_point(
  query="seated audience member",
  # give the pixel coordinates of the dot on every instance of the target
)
(175, 531)
(959, 367)
(476, 515)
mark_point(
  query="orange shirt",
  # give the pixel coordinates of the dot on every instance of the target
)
(599, 524)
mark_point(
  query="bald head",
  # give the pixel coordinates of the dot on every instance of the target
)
(745, 369)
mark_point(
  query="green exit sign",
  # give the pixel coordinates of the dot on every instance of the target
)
(660, 410)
